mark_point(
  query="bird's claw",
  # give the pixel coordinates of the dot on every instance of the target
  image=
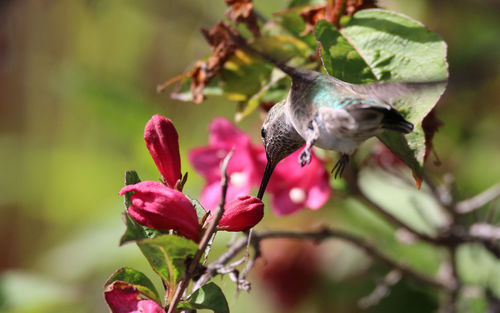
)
(305, 157)
(340, 166)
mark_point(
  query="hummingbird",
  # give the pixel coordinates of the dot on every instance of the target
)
(321, 110)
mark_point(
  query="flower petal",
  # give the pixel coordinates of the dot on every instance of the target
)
(157, 206)
(122, 297)
(162, 142)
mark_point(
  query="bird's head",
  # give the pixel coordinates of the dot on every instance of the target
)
(280, 140)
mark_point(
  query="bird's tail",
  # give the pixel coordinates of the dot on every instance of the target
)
(392, 120)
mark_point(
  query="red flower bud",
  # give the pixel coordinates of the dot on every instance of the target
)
(157, 206)
(162, 142)
(241, 214)
(123, 297)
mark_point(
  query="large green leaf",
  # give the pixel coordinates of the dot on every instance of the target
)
(137, 279)
(167, 255)
(340, 58)
(210, 297)
(394, 47)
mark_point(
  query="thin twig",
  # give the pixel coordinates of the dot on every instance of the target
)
(319, 236)
(335, 11)
(351, 177)
(212, 228)
(479, 200)
(394, 220)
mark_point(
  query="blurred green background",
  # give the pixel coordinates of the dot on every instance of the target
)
(77, 85)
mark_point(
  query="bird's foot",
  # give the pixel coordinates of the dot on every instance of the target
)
(305, 157)
(340, 165)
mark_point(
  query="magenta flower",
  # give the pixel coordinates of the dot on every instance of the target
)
(157, 206)
(291, 187)
(242, 170)
(162, 142)
(241, 214)
(294, 187)
(124, 298)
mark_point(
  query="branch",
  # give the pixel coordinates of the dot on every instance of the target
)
(209, 232)
(479, 200)
(319, 236)
(394, 220)
(351, 178)
(335, 9)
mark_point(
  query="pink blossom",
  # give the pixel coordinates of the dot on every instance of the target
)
(242, 170)
(293, 187)
(241, 214)
(163, 145)
(124, 298)
(157, 206)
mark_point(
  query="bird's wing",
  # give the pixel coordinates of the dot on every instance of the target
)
(388, 91)
(371, 114)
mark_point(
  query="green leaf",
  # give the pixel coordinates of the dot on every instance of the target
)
(167, 255)
(200, 210)
(340, 59)
(243, 75)
(183, 91)
(295, 3)
(137, 279)
(396, 48)
(290, 22)
(210, 297)
(282, 47)
(248, 78)
(134, 230)
(131, 178)
(246, 108)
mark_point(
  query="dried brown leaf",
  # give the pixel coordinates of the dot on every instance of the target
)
(430, 124)
(353, 6)
(311, 16)
(241, 11)
(223, 47)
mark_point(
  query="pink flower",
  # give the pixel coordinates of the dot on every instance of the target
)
(124, 298)
(163, 145)
(241, 214)
(157, 206)
(294, 187)
(242, 170)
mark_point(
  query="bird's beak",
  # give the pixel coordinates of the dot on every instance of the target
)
(265, 179)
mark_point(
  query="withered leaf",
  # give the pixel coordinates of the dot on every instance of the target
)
(311, 16)
(223, 47)
(241, 11)
(431, 125)
(314, 14)
(353, 6)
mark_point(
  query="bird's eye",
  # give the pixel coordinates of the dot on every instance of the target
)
(263, 132)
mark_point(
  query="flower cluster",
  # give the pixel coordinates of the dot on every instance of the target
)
(163, 206)
(292, 187)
